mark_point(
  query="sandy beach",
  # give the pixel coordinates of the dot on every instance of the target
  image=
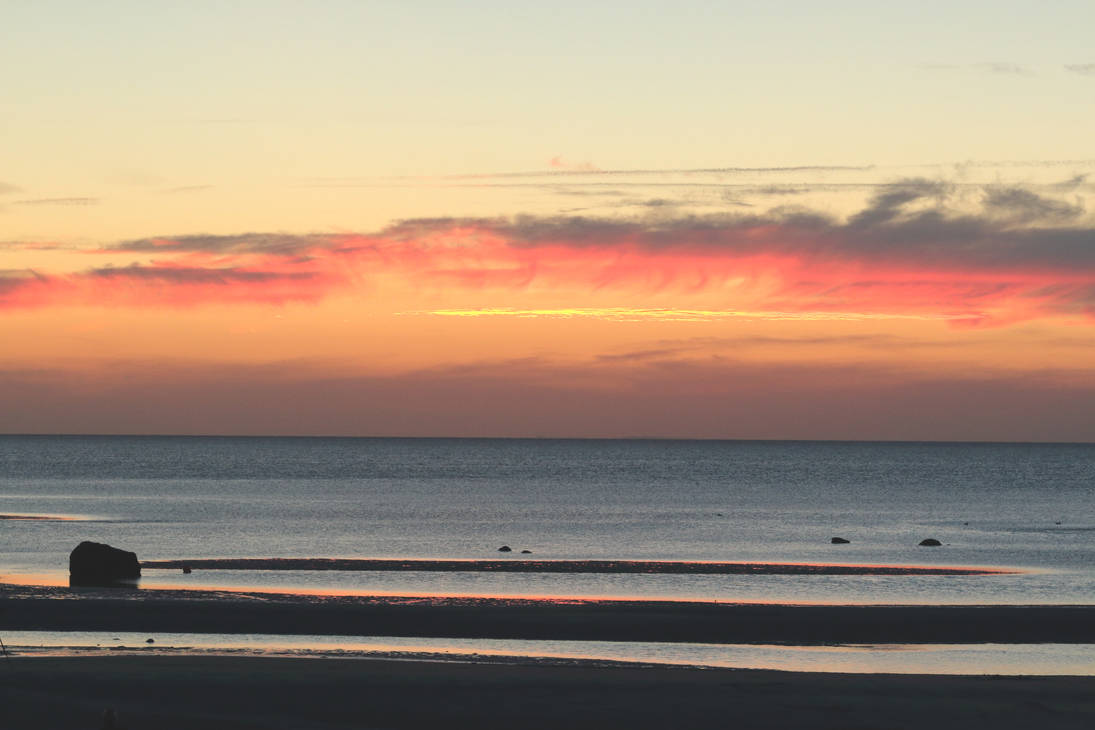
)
(61, 609)
(247, 692)
(242, 691)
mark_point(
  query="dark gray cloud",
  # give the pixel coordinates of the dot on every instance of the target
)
(1072, 183)
(1084, 69)
(285, 244)
(194, 275)
(904, 220)
(907, 221)
(1023, 206)
(888, 202)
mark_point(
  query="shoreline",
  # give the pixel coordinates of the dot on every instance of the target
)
(182, 611)
(276, 692)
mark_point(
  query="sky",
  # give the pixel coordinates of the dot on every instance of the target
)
(668, 220)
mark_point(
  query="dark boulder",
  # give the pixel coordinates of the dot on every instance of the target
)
(930, 542)
(526, 552)
(505, 549)
(93, 563)
(839, 541)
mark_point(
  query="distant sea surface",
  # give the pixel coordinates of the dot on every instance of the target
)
(1025, 507)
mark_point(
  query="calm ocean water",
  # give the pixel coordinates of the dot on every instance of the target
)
(1028, 507)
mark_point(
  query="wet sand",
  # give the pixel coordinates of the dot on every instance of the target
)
(59, 609)
(171, 692)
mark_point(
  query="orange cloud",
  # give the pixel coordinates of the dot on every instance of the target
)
(906, 254)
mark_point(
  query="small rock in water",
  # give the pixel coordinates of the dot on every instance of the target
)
(526, 552)
(150, 641)
(504, 549)
(839, 541)
(930, 542)
(186, 569)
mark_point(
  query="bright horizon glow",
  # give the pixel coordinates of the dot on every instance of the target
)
(660, 220)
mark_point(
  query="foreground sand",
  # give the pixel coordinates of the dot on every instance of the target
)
(64, 609)
(168, 692)
(613, 621)
(157, 691)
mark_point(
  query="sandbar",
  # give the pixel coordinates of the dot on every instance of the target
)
(522, 565)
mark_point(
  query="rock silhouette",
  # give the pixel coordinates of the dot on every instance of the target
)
(930, 542)
(839, 541)
(505, 549)
(93, 563)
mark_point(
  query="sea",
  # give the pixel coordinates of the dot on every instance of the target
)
(1026, 509)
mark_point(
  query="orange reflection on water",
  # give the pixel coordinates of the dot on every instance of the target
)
(49, 580)
(52, 580)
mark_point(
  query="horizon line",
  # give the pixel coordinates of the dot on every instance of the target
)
(986, 442)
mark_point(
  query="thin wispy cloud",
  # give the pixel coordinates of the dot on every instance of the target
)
(579, 171)
(630, 314)
(1007, 69)
(558, 163)
(277, 244)
(1072, 183)
(196, 275)
(1002, 68)
(187, 189)
(1084, 69)
(59, 201)
(690, 347)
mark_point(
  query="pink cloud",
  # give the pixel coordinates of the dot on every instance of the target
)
(896, 256)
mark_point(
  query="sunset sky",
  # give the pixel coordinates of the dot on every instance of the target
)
(699, 220)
